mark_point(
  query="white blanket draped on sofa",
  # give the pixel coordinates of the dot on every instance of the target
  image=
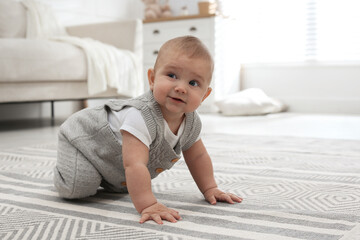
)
(107, 65)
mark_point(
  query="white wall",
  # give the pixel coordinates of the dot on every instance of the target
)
(305, 88)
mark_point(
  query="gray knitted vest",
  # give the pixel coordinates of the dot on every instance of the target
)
(88, 131)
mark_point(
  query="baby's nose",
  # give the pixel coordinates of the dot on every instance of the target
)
(180, 88)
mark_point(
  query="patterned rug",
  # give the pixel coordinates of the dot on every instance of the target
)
(293, 188)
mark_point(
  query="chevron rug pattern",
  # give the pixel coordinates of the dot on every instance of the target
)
(293, 188)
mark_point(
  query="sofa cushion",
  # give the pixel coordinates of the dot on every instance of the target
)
(12, 19)
(24, 60)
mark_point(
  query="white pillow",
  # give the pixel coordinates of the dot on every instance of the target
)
(12, 19)
(252, 101)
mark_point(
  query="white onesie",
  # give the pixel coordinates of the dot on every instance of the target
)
(130, 119)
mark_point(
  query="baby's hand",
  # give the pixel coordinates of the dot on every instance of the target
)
(213, 194)
(157, 212)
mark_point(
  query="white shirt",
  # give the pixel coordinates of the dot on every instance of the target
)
(130, 119)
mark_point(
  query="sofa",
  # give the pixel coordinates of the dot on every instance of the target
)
(35, 70)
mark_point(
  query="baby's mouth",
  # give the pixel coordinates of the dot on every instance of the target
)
(177, 99)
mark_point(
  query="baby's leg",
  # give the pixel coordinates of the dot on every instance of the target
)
(74, 175)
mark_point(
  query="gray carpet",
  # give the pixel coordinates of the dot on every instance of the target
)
(293, 188)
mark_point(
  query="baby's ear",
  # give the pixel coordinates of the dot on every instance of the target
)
(207, 93)
(151, 77)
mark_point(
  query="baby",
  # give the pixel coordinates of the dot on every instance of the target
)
(123, 144)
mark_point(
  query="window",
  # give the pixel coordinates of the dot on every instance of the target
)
(283, 31)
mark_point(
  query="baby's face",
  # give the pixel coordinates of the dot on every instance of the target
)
(180, 83)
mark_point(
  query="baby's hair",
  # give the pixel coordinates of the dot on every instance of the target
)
(188, 45)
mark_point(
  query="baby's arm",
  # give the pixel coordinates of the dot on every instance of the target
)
(138, 181)
(200, 166)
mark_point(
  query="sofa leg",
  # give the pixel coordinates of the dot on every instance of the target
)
(84, 103)
(52, 112)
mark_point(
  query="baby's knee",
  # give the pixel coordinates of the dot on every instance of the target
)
(66, 193)
(64, 189)
(69, 189)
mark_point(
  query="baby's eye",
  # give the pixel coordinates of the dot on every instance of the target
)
(171, 75)
(194, 83)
